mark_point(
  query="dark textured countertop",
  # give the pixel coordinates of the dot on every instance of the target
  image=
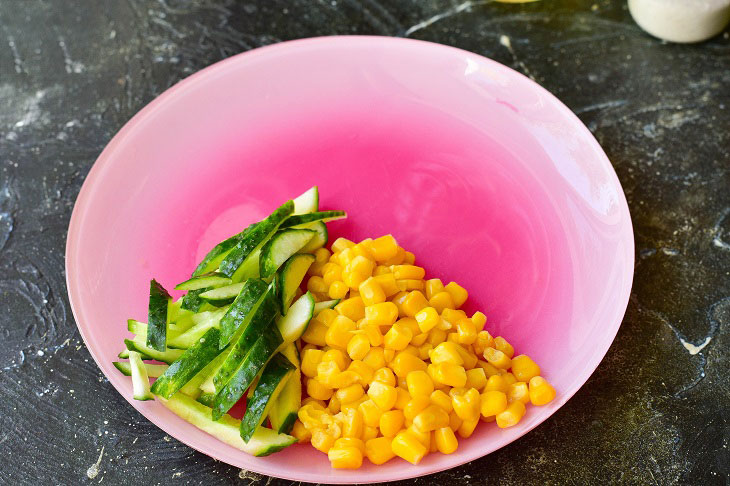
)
(655, 412)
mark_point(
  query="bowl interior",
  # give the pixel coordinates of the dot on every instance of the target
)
(486, 177)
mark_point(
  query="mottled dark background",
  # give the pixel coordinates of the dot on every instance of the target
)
(656, 410)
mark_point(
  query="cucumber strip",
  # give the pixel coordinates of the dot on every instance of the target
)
(280, 247)
(318, 240)
(264, 442)
(192, 301)
(290, 278)
(273, 380)
(254, 238)
(283, 412)
(207, 280)
(325, 304)
(166, 356)
(140, 329)
(153, 370)
(140, 380)
(242, 309)
(175, 312)
(214, 257)
(222, 295)
(157, 313)
(255, 360)
(188, 365)
(206, 399)
(307, 202)
(295, 322)
(249, 268)
(193, 387)
(258, 324)
(324, 216)
(202, 323)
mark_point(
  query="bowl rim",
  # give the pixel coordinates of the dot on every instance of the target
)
(220, 68)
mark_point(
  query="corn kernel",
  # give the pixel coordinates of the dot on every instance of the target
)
(415, 406)
(370, 413)
(378, 450)
(358, 346)
(350, 442)
(363, 250)
(363, 371)
(313, 403)
(317, 390)
(497, 358)
(452, 315)
(384, 375)
(345, 457)
(440, 301)
(387, 282)
(302, 434)
(541, 392)
(502, 345)
(511, 415)
(466, 330)
(338, 357)
(524, 368)
(404, 363)
(333, 406)
(315, 269)
(341, 243)
(431, 418)
(413, 303)
(406, 446)
(508, 377)
(410, 272)
(496, 383)
(388, 354)
(476, 378)
(419, 339)
(375, 358)
(373, 333)
(446, 353)
(327, 371)
(433, 287)
(327, 316)
(322, 255)
(321, 440)
(353, 423)
(458, 293)
(315, 333)
(400, 256)
(398, 300)
(467, 427)
(470, 359)
(382, 270)
(384, 248)
(383, 395)
(352, 308)
(410, 258)
(310, 359)
(397, 338)
(518, 391)
(316, 284)
(452, 337)
(419, 383)
(344, 407)
(489, 370)
(337, 290)
(449, 374)
(383, 314)
(411, 284)
(369, 433)
(371, 292)
(345, 379)
(424, 437)
(354, 293)
(438, 397)
(403, 398)
(424, 350)
(436, 336)
(454, 421)
(427, 319)
(467, 404)
(331, 272)
(484, 340)
(391, 422)
(446, 442)
(350, 393)
(479, 319)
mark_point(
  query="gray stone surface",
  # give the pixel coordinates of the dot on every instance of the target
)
(72, 72)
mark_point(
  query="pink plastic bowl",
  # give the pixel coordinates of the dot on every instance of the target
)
(483, 174)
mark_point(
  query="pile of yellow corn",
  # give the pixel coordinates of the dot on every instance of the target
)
(396, 369)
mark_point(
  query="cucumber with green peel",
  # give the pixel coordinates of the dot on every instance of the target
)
(259, 323)
(222, 295)
(307, 202)
(283, 412)
(290, 277)
(321, 235)
(242, 309)
(280, 247)
(167, 356)
(157, 316)
(323, 216)
(175, 312)
(325, 304)
(202, 323)
(206, 281)
(140, 380)
(227, 429)
(194, 359)
(206, 399)
(254, 238)
(193, 387)
(192, 301)
(140, 329)
(153, 370)
(272, 382)
(214, 257)
(249, 268)
(295, 322)
(257, 357)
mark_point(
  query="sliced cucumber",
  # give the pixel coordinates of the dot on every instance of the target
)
(202, 323)
(140, 329)
(140, 380)
(260, 353)
(254, 239)
(175, 312)
(283, 412)
(290, 278)
(214, 257)
(249, 268)
(192, 301)
(157, 327)
(264, 441)
(272, 382)
(206, 399)
(153, 370)
(257, 324)
(280, 247)
(324, 216)
(166, 356)
(242, 309)
(193, 387)
(307, 202)
(188, 365)
(222, 295)
(207, 280)
(318, 240)
(295, 322)
(325, 304)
